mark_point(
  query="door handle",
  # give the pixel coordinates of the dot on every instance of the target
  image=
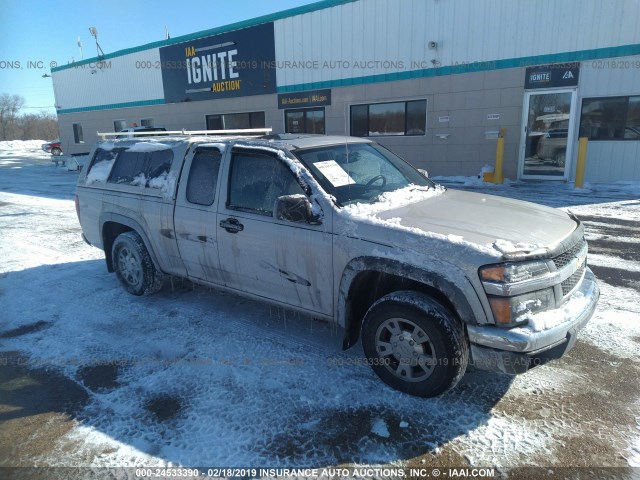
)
(232, 225)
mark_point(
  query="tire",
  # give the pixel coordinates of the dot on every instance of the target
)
(559, 158)
(415, 344)
(133, 265)
(56, 151)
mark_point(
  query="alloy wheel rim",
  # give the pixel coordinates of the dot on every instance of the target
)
(406, 349)
(129, 267)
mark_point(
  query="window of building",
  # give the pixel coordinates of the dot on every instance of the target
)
(610, 118)
(233, 121)
(140, 168)
(392, 118)
(119, 125)
(203, 176)
(304, 120)
(147, 122)
(257, 180)
(78, 136)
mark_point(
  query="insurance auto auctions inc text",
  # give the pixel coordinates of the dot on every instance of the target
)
(377, 472)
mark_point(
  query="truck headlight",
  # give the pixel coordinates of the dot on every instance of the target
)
(514, 311)
(517, 290)
(513, 272)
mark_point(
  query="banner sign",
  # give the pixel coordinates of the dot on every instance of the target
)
(552, 76)
(312, 98)
(232, 64)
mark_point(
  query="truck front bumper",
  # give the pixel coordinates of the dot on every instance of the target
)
(516, 350)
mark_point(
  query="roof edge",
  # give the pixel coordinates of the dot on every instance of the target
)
(271, 17)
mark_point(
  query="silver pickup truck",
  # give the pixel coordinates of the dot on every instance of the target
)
(430, 279)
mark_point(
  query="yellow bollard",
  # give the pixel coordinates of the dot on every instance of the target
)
(582, 162)
(498, 176)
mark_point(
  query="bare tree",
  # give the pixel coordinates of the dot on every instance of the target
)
(10, 105)
(36, 126)
(27, 126)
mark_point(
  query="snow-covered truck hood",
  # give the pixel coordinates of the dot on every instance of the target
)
(507, 225)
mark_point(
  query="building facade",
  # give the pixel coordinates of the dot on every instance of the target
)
(433, 80)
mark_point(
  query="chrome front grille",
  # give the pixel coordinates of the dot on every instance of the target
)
(565, 258)
(570, 283)
(571, 265)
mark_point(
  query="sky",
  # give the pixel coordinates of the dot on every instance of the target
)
(36, 34)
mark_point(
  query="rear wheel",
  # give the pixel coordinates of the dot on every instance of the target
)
(133, 265)
(414, 344)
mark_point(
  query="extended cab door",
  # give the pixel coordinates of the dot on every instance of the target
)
(195, 214)
(289, 262)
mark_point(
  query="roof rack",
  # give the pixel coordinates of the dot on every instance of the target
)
(187, 133)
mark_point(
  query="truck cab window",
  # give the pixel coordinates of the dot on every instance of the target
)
(257, 180)
(203, 176)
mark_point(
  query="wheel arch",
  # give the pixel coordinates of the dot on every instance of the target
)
(112, 225)
(366, 279)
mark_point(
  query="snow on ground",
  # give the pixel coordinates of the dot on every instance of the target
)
(11, 151)
(195, 377)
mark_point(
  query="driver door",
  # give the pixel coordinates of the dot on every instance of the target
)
(289, 262)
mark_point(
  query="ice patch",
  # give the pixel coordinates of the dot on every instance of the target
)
(379, 427)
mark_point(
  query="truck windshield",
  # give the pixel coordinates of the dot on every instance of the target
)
(359, 172)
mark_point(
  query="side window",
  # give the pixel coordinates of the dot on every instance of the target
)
(119, 125)
(78, 136)
(203, 176)
(101, 165)
(257, 180)
(139, 167)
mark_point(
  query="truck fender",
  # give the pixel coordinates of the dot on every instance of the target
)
(133, 225)
(465, 304)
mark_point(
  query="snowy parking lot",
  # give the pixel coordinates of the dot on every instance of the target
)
(90, 375)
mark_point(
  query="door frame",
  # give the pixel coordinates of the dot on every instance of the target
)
(573, 114)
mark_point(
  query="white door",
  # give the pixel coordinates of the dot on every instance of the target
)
(195, 216)
(276, 259)
(547, 138)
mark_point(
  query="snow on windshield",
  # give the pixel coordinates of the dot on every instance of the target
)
(398, 198)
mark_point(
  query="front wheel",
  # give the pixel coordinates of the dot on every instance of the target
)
(133, 265)
(56, 151)
(415, 344)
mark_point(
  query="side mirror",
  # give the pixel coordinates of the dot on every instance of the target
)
(297, 209)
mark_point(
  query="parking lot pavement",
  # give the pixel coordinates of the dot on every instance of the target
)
(90, 375)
